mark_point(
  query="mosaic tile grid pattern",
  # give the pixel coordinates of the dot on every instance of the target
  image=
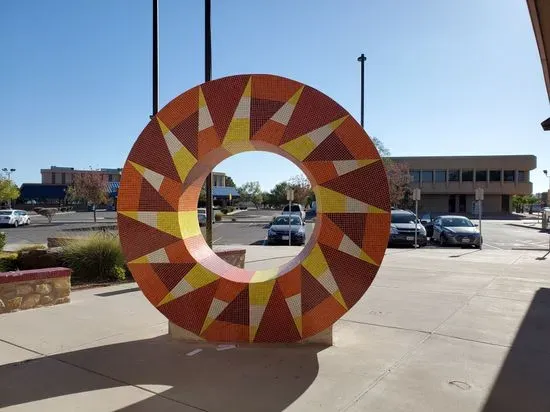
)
(157, 210)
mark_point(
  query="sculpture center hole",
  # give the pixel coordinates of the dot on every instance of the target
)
(252, 210)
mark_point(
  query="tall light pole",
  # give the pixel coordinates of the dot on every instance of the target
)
(8, 172)
(207, 78)
(155, 57)
(362, 59)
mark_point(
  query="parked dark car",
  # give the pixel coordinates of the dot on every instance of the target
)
(456, 230)
(279, 230)
(403, 226)
(427, 220)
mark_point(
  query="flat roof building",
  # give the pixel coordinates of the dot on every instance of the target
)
(448, 183)
(65, 175)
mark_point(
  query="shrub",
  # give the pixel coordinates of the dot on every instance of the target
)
(224, 210)
(2, 240)
(8, 261)
(218, 217)
(97, 258)
(47, 212)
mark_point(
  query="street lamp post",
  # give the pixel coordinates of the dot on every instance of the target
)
(362, 59)
(207, 78)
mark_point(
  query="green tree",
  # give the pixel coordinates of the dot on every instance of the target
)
(302, 188)
(229, 182)
(251, 192)
(278, 194)
(383, 150)
(89, 188)
(8, 190)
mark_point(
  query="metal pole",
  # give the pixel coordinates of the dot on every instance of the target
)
(362, 59)
(207, 78)
(416, 225)
(155, 57)
(289, 225)
(479, 211)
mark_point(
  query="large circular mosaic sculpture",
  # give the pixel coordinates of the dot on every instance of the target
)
(157, 210)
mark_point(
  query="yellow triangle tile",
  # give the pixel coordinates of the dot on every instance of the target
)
(264, 275)
(163, 128)
(252, 332)
(329, 201)
(338, 296)
(139, 168)
(315, 262)
(202, 100)
(167, 298)
(300, 147)
(168, 222)
(188, 224)
(336, 123)
(184, 162)
(298, 323)
(259, 293)
(141, 259)
(199, 276)
(372, 209)
(207, 322)
(367, 258)
(248, 89)
(296, 96)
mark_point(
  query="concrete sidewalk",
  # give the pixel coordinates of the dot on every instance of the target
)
(439, 330)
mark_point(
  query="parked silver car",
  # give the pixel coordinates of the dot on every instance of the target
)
(456, 230)
(14, 218)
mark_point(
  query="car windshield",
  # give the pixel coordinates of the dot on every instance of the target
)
(402, 218)
(456, 222)
(294, 208)
(283, 220)
(5, 212)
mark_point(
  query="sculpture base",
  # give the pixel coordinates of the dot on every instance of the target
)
(323, 338)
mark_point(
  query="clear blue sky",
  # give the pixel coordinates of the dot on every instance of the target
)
(443, 77)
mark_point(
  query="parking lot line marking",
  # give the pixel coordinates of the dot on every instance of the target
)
(218, 239)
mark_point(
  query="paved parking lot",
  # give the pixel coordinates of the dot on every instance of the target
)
(250, 229)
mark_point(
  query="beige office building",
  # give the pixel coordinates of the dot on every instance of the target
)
(65, 175)
(448, 183)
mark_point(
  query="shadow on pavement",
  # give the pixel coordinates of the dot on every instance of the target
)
(240, 379)
(523, 383)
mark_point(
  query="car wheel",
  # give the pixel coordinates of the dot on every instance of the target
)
(15, 224)
(442, 240)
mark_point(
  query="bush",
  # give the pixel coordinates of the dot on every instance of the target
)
(2, 240)
(97, 258)
(47, 212)
(218, 217)
(8, 261)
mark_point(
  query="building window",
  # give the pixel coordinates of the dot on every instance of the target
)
(63, 178)
(523, 176)
(481, 175)
(509, 175)
(427, 176)
(467, 175)
(495, 175)
(415, 176)
(110, 178)
(53, 178)
(440, 176)
(454, 175)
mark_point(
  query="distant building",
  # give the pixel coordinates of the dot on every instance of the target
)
(218, 179)
(448, 183)
(65, 175)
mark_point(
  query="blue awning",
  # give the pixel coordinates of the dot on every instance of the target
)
(112, 189)
(224, 192)
(30, 191)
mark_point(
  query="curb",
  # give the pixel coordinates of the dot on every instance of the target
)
(540, 229)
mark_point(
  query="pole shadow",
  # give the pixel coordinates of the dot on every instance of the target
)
(247, 378)
(523, 382)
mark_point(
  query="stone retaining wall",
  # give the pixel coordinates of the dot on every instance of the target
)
(233, 256)
(28, 289)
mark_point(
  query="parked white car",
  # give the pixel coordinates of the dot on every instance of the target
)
(295, 209)
(14, 217)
